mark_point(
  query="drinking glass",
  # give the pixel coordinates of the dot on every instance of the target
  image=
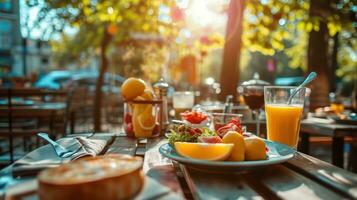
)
(336, 103)
(182, 101)
(254, 97)
(141, 119)
(253, 94)
(283, 118)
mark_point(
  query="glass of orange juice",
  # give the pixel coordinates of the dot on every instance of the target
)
(283, 118)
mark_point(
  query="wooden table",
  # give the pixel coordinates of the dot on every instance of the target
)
(328, 128)
(26, 92)
(25, 109)
(303, 177)
(36, 109)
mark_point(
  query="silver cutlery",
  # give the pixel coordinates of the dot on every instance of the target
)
(59, 149)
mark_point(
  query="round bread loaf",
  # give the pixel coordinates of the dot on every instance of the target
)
(112, 176)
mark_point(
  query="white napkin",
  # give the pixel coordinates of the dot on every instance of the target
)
(89, 147)
(45, 156)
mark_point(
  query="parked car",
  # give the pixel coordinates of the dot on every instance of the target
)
(112, 82)
(54, 80)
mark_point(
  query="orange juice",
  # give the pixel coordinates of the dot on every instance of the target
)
(283, 123)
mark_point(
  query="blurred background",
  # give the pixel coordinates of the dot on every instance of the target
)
(209, 46)
(63, 62)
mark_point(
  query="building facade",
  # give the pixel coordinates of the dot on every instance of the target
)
(20, 57)
(10, 36)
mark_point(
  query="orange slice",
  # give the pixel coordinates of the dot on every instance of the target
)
(146, 118)
(204, 151)
(254, 149)
(147, 95)
(233, 137)
(146, 122)
(143, 121)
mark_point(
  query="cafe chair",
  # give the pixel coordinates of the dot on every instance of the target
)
(22, 120)
(79, 110)
(19, 125)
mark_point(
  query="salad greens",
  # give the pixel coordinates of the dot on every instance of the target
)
(183, 133)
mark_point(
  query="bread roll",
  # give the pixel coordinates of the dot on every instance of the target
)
(112, 176)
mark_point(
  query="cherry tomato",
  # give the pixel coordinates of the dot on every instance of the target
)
(194, 117)
(198, 131)
(129, 130)
(231, 126)
(127, 118)
(191, 131)
(235, 121)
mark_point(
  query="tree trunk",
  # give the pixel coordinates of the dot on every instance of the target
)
(334, 63)
(231, 54)
(318, 57)
(97, 114)
(24, 56)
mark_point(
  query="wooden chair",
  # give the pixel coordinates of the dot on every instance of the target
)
(15, 129)
(114, 109)
(15, 114)
(59, 121)
(79, 107)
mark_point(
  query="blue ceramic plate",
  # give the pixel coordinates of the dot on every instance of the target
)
(278, 153)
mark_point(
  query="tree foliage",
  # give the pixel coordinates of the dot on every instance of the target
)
(91, 19)
(275, 25)
(102, 25)
(269, 24)
(151, 57)
(348, 56)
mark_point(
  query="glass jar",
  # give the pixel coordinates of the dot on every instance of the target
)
(141, 119)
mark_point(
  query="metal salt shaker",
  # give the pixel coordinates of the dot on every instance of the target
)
(161, 89)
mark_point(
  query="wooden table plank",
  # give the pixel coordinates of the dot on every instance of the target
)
(288, 184)
(336, 179)
(123, 145)
(275, 182)
(205, 185)
(303, 177)
(160, 168)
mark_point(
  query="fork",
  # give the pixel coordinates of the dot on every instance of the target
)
(59, 149)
